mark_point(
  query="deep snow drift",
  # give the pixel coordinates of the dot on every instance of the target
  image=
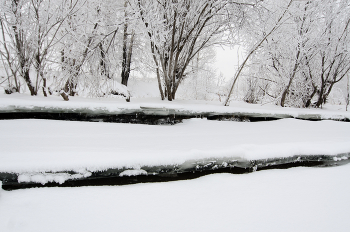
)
(297, 199)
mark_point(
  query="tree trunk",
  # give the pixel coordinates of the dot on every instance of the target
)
(103, 65)
(127, 54)
(44, 87)
(321, 93)
(160, 85)
(64, 96)
(348, 93)
(8, 59)
(308, 102)
(324, 93)
(71, 84)
(286, 90)
(170, 95)
(31, 88)
(127, 48)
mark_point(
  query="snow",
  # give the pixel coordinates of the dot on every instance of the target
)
(341, 158)
(22, 102)
(44, 178)
(34, 146)
(297, 199)
(133, 172)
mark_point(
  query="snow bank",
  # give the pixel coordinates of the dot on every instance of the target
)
(41, 146)
(21, 102)
(297, 199)
(133, 172)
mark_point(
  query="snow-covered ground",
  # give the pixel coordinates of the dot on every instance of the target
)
(22, 102)
(297, 199)
(31, 145)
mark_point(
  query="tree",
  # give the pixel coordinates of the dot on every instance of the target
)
(91, 53)
(306, 55)
(48, 19)
(177, 31)
(15, 14)
(332, 61)
(30, 29)
(78, 43)
(256, 46)
(9, 60)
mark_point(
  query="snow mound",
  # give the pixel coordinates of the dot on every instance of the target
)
(340, 158)
(44, 178)
(134, 172)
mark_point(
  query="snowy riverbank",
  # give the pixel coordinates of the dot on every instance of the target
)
(45, 145)
(113, 106)
(297, 199)
(35, 149)
(41, 152)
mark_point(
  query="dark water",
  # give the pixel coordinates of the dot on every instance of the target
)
(189, 170)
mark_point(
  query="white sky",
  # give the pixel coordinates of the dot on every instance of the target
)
(227, 60)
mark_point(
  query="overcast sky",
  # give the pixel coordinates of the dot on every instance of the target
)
(227, 60)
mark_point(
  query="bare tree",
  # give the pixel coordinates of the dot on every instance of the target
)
(177, 31)
(30, 30)
(9, 60)
(76, 51)
(48, 19)
(87, 51)
(255, 48)
(307, 55)
(335, 63)
(15, 14)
